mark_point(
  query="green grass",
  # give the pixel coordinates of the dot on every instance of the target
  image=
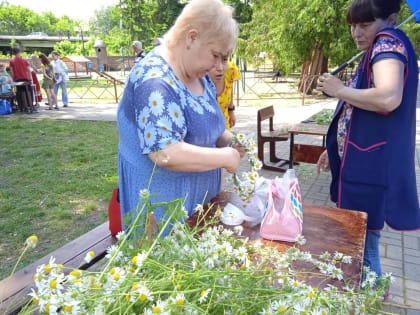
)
(55, 181)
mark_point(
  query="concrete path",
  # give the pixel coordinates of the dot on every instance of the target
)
(400, 251)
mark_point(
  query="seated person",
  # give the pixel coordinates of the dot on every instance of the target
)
(5, 80)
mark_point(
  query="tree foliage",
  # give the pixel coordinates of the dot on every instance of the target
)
(289, 31)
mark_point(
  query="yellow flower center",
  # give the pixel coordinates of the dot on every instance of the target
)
(179, 302)
(75, 273)
(53, 284)
(156, 310)
(142, 297)
(68, 308)
(281, 310)
(47, 268)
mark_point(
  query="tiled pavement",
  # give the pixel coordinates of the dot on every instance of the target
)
(400, 251)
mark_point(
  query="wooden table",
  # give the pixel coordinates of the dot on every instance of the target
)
(325, 229)
(306, 152)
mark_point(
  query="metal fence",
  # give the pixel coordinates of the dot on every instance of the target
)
(253, 87)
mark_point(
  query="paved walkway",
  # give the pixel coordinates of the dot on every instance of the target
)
(400, 251)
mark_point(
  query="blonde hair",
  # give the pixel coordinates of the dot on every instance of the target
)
(211, 18)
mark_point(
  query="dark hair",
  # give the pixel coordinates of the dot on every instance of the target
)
(15, 50)
(361, 11)
(44, 59)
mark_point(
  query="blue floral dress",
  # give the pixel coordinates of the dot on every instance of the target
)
(157, 110)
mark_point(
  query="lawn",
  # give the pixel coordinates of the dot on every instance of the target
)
(56, 179)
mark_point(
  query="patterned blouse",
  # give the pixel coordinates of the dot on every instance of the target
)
(384, 44)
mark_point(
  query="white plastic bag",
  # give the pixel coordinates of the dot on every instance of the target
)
(252, 211)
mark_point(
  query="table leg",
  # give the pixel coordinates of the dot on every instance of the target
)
(292, 140)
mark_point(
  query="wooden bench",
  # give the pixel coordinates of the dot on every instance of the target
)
(14, 290)
(267, 133)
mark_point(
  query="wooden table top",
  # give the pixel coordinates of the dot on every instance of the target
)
(309, 129)
(325, 229)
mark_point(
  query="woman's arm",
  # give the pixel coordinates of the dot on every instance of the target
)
(186, 157)
(385, 96)
(231, 111)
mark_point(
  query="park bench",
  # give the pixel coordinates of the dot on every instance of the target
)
(267, 74)
(14, 290)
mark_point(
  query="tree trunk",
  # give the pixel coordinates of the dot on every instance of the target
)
(311, 69)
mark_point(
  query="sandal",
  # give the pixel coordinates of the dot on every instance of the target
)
(56, 107)
(48, 108)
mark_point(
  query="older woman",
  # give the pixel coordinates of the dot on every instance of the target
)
(371, 140)
(173, 140)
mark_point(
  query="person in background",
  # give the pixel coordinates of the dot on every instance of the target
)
(61, 78)
(138, 51)
(37, 95)
(48, 81)
(21, 72)
(371, 139)
(5, 80)
(223, 78)
(172, 135)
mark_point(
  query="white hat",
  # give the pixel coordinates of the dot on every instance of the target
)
(137, 44)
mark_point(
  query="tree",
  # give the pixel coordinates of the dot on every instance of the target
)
(310, 36)
(411, 28)
(298, 35)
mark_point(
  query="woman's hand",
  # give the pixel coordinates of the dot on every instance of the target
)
(239, 148)
(233, 163)
(323, 163)
(329, 84)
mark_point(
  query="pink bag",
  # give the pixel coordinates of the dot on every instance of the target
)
(283, 220)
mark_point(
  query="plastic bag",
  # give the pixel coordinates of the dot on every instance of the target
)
(283, 220)
(252, 211)
(5, 107)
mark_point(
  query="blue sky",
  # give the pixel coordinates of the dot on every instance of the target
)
(76, 9)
